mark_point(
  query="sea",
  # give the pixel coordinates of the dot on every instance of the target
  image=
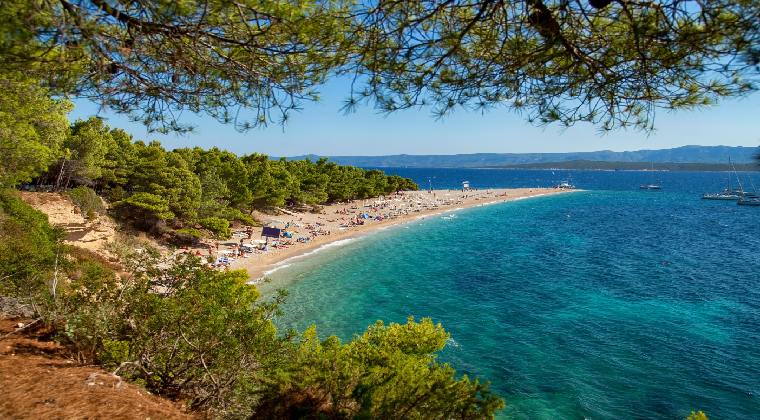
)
(609, 303)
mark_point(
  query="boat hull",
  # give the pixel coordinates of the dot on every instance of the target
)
(721, 198)
(754, 203)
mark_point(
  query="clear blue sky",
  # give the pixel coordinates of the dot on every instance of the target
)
(321, 128)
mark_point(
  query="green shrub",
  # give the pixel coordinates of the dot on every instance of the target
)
(145, 210)
(698, 415)
(183, 330)
(115, 194)
(387, 372)
(151, 204)
(186, 237)
(191, 232)
(87, 304)
(29, 247)
(231, 214)
(87, 201)
(114, 353)
(218, 226)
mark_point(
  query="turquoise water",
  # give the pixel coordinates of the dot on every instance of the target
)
(598, 304)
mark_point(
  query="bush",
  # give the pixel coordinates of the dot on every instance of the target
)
(115, 194)
(183, 330)
(191, 232)
(29, 247)
(218, 226)
(145, 210)
(152, 204)
(87, 306)
(388, 372)
(231, 214)
(87, 201)
(186, 237)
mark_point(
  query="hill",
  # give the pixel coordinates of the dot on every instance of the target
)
(634, 166)
(685, 154)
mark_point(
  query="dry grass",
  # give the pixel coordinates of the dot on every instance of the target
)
(38, 381)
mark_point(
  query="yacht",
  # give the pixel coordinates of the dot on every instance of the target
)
(565, 185)
(651, 186)
(749, 201)
(728, 193)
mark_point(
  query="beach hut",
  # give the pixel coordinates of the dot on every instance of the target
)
(465, 186)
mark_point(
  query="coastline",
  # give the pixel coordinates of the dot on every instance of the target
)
(259, 266)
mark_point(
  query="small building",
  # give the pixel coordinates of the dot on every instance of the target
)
(466, 186)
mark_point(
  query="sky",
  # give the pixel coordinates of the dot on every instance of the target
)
(322, 128)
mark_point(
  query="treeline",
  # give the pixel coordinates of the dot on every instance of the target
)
(187, 187)
(159, 190)
(178, 191)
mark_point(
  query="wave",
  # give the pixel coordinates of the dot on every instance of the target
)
(277, 267)
(288, 261)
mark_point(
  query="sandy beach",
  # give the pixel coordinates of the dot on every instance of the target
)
(309, 231)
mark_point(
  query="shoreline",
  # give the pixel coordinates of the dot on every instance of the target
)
(259, 266)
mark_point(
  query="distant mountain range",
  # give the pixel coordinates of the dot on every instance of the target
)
(635, 166)
(685, 154)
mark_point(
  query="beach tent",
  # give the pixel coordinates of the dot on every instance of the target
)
(270, 232)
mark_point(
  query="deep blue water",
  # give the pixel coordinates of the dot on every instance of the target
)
(610, 303)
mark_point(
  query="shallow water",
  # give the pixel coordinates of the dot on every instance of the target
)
(609, 303)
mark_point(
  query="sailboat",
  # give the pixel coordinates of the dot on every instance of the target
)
(748, 198)
(651, 186)
(749, 201)
(728, 193)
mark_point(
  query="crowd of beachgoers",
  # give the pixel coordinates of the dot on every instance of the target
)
(303, 231)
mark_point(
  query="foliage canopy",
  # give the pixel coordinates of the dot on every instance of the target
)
(251, 62)
(33, 128)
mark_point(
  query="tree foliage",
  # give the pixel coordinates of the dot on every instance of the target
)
(29, 248)
(32, 128)
(156, 59)
(146, 209)
(608, 62)
(697, 415)
(87, 201)
(218, 226)
(153, 187)
(387, 372)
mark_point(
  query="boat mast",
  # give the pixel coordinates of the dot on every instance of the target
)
(738, 180)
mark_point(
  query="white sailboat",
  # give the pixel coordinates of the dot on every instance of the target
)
(651, 186)
(728, 193)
